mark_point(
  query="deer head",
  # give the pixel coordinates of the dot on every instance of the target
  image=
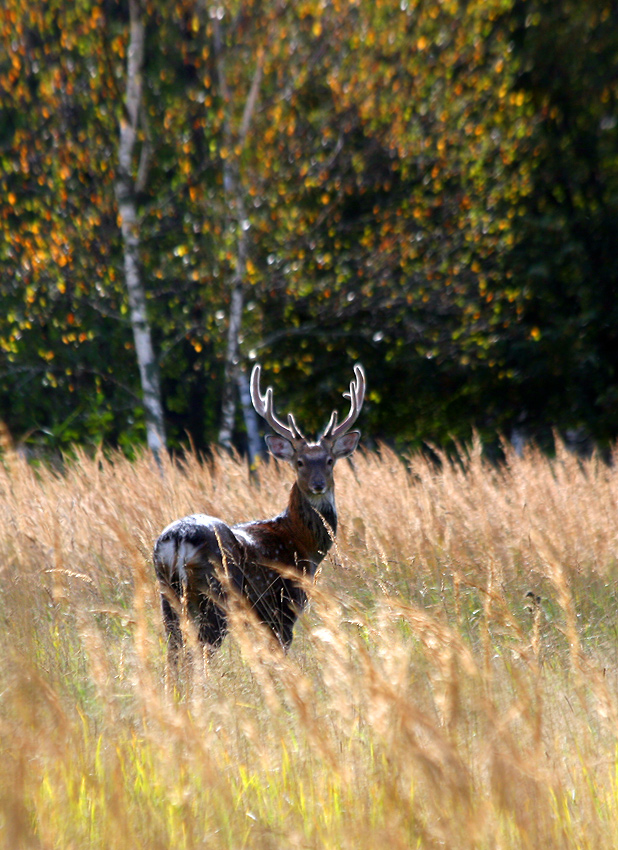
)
(313, 461)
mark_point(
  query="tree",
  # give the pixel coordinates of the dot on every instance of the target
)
(127, 188)
(59, 284)
(66, 354)
(391, 158)
(429, 187)
(234, 194)
(565, 233)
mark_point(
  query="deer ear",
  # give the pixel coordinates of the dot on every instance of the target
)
(280, 447)
(346, 444)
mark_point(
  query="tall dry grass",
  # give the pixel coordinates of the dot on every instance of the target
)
(453, 683)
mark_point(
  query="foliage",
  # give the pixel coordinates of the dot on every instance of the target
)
(564, 242)
(67, 352)
(59, 284)
(428, 187)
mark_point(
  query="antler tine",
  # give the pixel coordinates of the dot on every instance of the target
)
(332, 423)
(264, 405)
(294, 427)
(356, 395)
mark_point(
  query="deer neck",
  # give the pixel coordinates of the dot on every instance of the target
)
(317, 517)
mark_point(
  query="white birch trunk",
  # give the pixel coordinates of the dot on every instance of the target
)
(228, 400)
(127, 210)
(234, 194)
(254, 443)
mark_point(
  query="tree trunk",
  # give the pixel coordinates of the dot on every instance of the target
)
(254, 444)
(127, 209)
(228, 402)
(234, 196)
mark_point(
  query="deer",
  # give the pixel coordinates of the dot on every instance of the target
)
(203, 564)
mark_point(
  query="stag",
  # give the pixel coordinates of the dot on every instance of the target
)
(202, 563)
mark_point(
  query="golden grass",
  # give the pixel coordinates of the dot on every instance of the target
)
(427, 701)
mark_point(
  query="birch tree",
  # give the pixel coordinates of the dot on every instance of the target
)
(234, 199)
(127, 188)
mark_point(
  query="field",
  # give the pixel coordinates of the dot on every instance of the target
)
(453, 683)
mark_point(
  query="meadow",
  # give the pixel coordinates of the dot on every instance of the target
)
(452, 684)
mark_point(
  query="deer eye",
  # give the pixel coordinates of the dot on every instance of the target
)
(299, 463)
(329, 461)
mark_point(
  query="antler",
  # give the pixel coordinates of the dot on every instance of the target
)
(356, 396)
(263, 404)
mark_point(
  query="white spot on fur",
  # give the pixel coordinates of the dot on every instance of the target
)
(244, 536)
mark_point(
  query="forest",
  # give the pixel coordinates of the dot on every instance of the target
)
(428, 187)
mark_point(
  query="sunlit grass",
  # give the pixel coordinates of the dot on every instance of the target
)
(452, 684)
